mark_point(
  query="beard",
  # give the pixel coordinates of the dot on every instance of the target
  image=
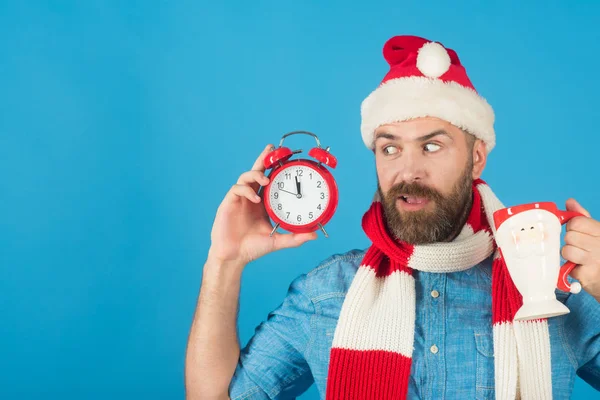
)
(441, 224)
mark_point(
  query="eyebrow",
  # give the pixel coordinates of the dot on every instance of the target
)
(386, 135)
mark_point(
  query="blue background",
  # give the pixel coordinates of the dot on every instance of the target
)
(123, 124)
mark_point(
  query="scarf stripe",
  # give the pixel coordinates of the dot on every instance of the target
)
(376, 374)
(533, 347)
(505, 353)
(380, 315)
(371, 353)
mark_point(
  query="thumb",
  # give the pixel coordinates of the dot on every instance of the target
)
(573, 205)
(284, 241)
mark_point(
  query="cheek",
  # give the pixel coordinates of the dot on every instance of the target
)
(445, 175)
(516, 239)
(386, 175)
(548, 237)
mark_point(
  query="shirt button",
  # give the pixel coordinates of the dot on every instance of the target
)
(434, 349)
(435, 294)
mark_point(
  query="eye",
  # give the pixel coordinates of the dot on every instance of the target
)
(433, 149)
(390, 150)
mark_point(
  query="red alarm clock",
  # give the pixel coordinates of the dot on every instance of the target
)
(302, 194)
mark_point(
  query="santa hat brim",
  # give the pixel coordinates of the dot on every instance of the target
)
(403, 99)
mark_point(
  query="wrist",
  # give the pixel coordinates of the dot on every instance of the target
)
(216, 265)
(214, 258)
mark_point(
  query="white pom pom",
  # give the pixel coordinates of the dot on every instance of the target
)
(433, 60)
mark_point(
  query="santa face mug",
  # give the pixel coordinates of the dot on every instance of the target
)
(528, 236)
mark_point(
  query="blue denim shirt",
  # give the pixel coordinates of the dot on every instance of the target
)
(290, 350)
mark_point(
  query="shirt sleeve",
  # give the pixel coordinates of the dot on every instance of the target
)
(582, 333)
(272, 365)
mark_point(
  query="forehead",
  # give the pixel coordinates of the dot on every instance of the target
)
(419, 126)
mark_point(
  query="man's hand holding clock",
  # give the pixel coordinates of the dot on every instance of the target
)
(241, 230)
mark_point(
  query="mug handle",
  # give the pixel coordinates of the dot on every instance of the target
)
(566, 268)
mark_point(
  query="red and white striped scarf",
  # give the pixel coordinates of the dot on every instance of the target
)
(371, 354)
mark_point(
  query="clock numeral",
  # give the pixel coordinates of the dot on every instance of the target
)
(319, 184)
(279, 206)
(280, 185)
(299, 218)
(310, 215)
(288, 215)
(288, 175)
(319, 207)
(322, 195)
(310, 175)
(276, 195)
(299, 172)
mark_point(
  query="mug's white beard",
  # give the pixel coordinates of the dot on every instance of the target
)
(530, 249)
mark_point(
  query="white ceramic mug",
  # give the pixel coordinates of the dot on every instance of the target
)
(528, 236)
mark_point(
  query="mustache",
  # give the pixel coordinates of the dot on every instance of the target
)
(413, 189)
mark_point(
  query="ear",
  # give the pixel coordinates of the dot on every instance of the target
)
(479, 158)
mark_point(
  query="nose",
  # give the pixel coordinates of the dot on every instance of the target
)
(411, 168)
(533, 234)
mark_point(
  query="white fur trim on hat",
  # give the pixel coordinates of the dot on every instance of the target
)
(433, 60)
(408, 98)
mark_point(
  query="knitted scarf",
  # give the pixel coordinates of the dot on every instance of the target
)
(371, 354)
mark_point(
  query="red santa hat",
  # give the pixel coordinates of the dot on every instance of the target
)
(426, 80)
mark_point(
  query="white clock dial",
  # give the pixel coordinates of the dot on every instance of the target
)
(305, 206)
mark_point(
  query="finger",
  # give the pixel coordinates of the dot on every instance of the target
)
(574, 254)
(283, 241)
(253, 177)
(584, 225)
(259, 163)
(582, 240)
(244, 191)
(573, 205)
(576, 272)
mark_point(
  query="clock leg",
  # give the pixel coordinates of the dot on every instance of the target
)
(323, 229)
(274, 229)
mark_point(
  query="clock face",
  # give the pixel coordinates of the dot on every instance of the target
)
(303, 206)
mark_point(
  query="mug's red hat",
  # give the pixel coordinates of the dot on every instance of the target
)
(503, 214)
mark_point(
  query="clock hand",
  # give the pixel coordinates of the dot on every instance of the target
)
(297, 185)
(283, 190)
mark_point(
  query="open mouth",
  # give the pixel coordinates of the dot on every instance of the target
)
(412, 203)
(414, 199)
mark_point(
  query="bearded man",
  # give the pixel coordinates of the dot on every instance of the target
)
(427, 311)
